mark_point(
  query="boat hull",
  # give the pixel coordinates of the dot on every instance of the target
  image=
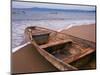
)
(72, 64)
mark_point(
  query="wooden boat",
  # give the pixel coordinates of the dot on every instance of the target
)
(65, 52)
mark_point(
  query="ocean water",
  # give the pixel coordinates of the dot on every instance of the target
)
(55, 20)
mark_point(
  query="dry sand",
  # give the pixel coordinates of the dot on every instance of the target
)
(84, 31)
(27, 59)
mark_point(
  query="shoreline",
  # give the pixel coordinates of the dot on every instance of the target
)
(74, 25)
(18, 34)
(72, 31)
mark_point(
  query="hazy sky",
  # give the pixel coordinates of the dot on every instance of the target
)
(54, 6)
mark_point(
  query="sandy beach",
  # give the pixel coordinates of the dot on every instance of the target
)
(84, 31)
(27, 59)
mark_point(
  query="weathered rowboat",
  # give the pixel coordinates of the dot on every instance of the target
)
(65, 52)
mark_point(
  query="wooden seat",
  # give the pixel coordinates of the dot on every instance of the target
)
(55, 43)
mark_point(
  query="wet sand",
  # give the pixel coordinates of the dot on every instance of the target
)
(84, 31)
(27, 59)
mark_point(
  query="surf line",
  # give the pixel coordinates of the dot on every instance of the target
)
(19, 47)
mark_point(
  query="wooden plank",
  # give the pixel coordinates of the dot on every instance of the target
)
(78, 56)
(55, 43)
